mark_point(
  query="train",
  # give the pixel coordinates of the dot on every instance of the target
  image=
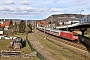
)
(73, 36)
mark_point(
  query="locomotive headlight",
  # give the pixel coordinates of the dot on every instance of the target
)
(75, 37)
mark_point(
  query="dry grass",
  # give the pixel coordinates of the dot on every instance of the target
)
(20, 35)
(27, 50)
(3, 44)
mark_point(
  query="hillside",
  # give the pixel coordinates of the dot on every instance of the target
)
(64, 17)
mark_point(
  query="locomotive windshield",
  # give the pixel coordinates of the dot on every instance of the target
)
(75, 34)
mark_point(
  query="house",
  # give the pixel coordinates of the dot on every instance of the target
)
(6, 24)
(42, 23)
(2, 25)
(38, 24)
(1, 21)
(1, 31)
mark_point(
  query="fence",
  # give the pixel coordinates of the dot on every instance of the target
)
(38, 54)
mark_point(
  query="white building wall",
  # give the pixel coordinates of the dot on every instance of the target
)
(1, 22)
(1, 32)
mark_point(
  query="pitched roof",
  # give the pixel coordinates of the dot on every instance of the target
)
(43, 22)
(38, 23)
(2, 25)
(6, 23)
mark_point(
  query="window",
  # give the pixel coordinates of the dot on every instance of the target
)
(75, 34)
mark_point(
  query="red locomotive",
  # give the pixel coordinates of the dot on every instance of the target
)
(69, 35)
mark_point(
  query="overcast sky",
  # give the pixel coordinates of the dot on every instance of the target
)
(41, 9)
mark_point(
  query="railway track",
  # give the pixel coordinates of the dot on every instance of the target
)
(77, 45)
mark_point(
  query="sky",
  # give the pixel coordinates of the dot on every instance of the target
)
(41, 9)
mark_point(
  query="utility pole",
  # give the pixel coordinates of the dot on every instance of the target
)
(44, 31)
(80, 15)
(66, 23)
(35, 26)
(26, 23)
(51, 21)
(26, 31)
(67, 27)
(4, 15)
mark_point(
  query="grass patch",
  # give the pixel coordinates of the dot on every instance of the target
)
(3, 44)
(26, 49)
(59, 52)
(20, 35)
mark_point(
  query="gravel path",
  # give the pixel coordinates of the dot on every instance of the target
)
(40, 48)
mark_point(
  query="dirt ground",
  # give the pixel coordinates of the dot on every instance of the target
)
(40, 48)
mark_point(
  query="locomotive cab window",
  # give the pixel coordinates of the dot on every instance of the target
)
(75, 34)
